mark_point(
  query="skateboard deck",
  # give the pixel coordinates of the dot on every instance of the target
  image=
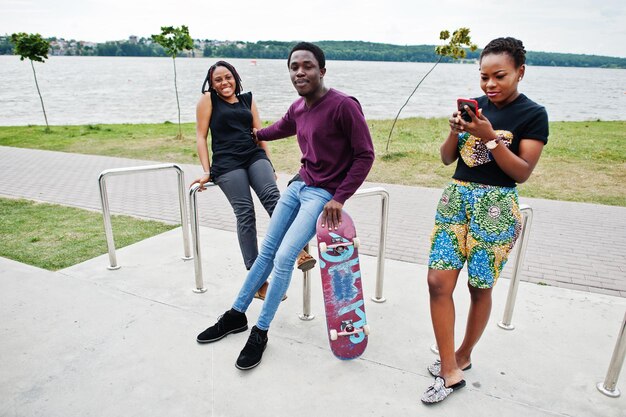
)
(341, 285)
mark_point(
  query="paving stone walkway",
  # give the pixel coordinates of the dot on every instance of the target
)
(572, 245)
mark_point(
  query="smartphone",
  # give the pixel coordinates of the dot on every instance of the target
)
(472, 104)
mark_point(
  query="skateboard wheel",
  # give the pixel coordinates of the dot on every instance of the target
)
(366, 329)
(333, 334)
(323, 247)
(356, 242)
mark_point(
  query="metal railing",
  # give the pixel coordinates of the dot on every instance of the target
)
(106, 213)
(306, 298)
(382, 245)
(609, 386)
(382, 237)
(195, 234)
(527, 219)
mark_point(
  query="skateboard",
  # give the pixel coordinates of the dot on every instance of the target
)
(341, 285)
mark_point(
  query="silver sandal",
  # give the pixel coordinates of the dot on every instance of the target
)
(438, 391)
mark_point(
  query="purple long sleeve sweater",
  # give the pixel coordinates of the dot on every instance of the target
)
(337, 149)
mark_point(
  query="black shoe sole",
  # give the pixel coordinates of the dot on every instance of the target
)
(241, 368)
(247, 368)
(239, 330)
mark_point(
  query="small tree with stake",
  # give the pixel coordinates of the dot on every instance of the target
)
(454, 49)
(34, 48)
(174, 41)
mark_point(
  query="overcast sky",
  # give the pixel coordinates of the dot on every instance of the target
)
(573, 26)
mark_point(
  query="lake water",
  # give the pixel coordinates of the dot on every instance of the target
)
(80, 90)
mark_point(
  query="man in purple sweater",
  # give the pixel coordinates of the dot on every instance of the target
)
(337, 154)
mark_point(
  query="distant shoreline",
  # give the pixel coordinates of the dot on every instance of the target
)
(459, 62)
(334, 50)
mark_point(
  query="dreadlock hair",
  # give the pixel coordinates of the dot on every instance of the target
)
(314, 49)
(511, 46)
(209, 77)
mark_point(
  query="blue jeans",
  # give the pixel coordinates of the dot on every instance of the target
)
(291, 227)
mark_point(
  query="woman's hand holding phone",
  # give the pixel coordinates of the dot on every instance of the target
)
(469, 119)
(462, 116)
(455, 125)
(465, 105)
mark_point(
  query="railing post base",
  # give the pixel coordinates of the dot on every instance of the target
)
(199, 290)
(435, 349)
(609, 386)
(306, 317)
(504, 326)
(603, 390)
(113, 268)
(186, 258)
(378, 300)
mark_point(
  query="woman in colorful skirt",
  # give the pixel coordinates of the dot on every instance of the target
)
(478, 218)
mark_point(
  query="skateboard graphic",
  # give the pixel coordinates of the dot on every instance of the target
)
(341, 285)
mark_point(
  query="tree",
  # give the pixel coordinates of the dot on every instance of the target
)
(6, 48)
(454, 49)
(35, 48)
(174, 41)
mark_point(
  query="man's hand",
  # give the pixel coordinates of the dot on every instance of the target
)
(254, 137)
(331, 215)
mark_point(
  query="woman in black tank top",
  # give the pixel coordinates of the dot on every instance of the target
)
(238, 163)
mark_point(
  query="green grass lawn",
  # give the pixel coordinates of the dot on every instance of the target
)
(54, 237)
(583, 161)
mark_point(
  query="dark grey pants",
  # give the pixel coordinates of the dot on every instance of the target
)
(236, 186)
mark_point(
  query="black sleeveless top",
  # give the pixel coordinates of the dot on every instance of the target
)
(231, 137)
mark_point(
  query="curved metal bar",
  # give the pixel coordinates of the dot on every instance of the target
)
(608, 387)
(106, 213)
(382, 243)
(184, 219)
(306, 294)
(195, 235)
(306, 314)
(106, 217)
(527, 219)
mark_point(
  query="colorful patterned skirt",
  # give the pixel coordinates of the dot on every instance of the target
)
(476, 223)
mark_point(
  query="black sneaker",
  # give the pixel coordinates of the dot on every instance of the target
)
(252, 353)
(227, 323)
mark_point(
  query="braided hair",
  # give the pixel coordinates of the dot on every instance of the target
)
(314, 49)
(511, 46)
(209, 77)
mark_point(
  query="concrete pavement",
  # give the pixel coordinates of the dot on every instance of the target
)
(87, 341)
